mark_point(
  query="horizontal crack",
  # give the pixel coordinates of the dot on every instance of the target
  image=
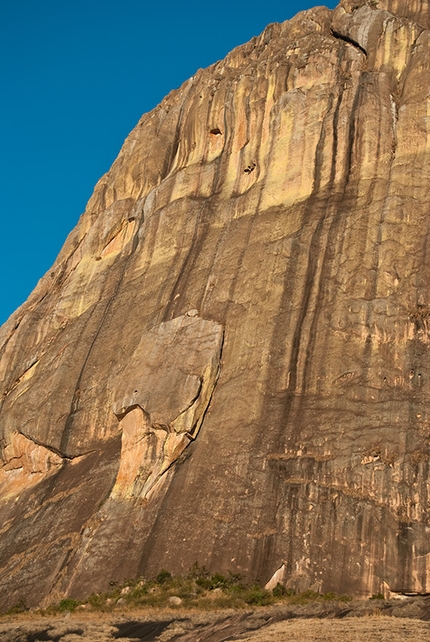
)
(54, 450)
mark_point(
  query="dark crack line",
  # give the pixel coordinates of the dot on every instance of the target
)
(349, 40)
(54, 450)
(104, 316)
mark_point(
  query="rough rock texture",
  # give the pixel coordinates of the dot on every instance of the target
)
(228, 362)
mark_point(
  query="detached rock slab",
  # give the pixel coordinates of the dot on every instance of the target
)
(161, 398)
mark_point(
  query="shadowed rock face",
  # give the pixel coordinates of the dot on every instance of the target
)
(228, 362)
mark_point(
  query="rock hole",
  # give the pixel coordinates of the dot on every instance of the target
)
(215, 132)
(250, 168)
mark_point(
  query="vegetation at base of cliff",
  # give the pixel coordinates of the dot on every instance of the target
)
(200, 589)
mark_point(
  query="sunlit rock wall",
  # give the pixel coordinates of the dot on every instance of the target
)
(228, 362)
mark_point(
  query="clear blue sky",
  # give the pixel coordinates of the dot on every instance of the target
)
(76, 75)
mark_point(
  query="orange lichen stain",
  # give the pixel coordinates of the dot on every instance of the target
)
(146, 453)
(120, 240)
(25, 464)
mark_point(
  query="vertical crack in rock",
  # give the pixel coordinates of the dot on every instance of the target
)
(76, 395)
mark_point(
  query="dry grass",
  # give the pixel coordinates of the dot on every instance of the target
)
(368, 629)
(199, 590)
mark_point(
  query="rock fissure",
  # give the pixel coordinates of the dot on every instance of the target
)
(349, 41)
(76, 394)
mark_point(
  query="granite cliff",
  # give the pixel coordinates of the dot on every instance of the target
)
(229, 360)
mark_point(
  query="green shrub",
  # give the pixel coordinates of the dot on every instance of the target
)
(139, 591)
(218, 581)
(97, 601)
(200, 589)
(305, 597)
(197, 571)
(257, 595)
(163, 576)
(68, 604)
(211, 582)
(279, 590)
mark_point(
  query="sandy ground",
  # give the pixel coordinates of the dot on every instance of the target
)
(312, 623)
(369, 629)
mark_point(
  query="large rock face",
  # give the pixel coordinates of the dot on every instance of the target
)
(229, 361)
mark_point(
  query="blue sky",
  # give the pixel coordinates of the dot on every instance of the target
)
(76, 76)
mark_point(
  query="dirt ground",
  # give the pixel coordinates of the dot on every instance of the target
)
(356, 622)
(369, 629)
